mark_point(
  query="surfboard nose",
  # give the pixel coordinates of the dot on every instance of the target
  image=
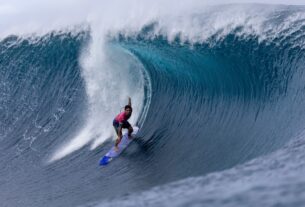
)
(105, 160)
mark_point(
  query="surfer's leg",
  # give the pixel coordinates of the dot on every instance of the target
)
(130, 130)
(116, 130)
(116, 127)
(126, 125)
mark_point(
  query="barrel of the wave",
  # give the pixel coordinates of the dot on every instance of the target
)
(112, 153)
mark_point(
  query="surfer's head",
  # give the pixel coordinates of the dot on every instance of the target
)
(128, 110)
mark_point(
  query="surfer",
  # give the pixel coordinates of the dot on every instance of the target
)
(120, 122)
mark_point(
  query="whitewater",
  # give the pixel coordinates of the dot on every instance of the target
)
(217, 91)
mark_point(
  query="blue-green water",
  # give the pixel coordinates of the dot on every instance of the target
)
(228, 111)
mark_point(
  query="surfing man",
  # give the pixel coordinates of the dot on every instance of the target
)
(120, 122)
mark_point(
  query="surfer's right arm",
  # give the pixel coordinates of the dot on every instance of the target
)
(129, 101)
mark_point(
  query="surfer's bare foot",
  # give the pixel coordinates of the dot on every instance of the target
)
(116, 148)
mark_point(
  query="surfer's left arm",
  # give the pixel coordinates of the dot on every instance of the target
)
(118, 140)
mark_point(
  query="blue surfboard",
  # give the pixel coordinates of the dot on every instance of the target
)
(112, 153)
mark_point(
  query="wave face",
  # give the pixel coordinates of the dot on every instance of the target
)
(224, 108)
(228, 102)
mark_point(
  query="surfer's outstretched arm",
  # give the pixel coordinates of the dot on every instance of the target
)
(129, 101)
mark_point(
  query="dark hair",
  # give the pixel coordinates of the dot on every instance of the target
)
(128, 107)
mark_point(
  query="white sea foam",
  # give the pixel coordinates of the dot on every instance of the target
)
(33, 16)
(111, 76)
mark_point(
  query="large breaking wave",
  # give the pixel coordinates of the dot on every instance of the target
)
(208, 100)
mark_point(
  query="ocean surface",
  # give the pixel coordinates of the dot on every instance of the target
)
(218, 94)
